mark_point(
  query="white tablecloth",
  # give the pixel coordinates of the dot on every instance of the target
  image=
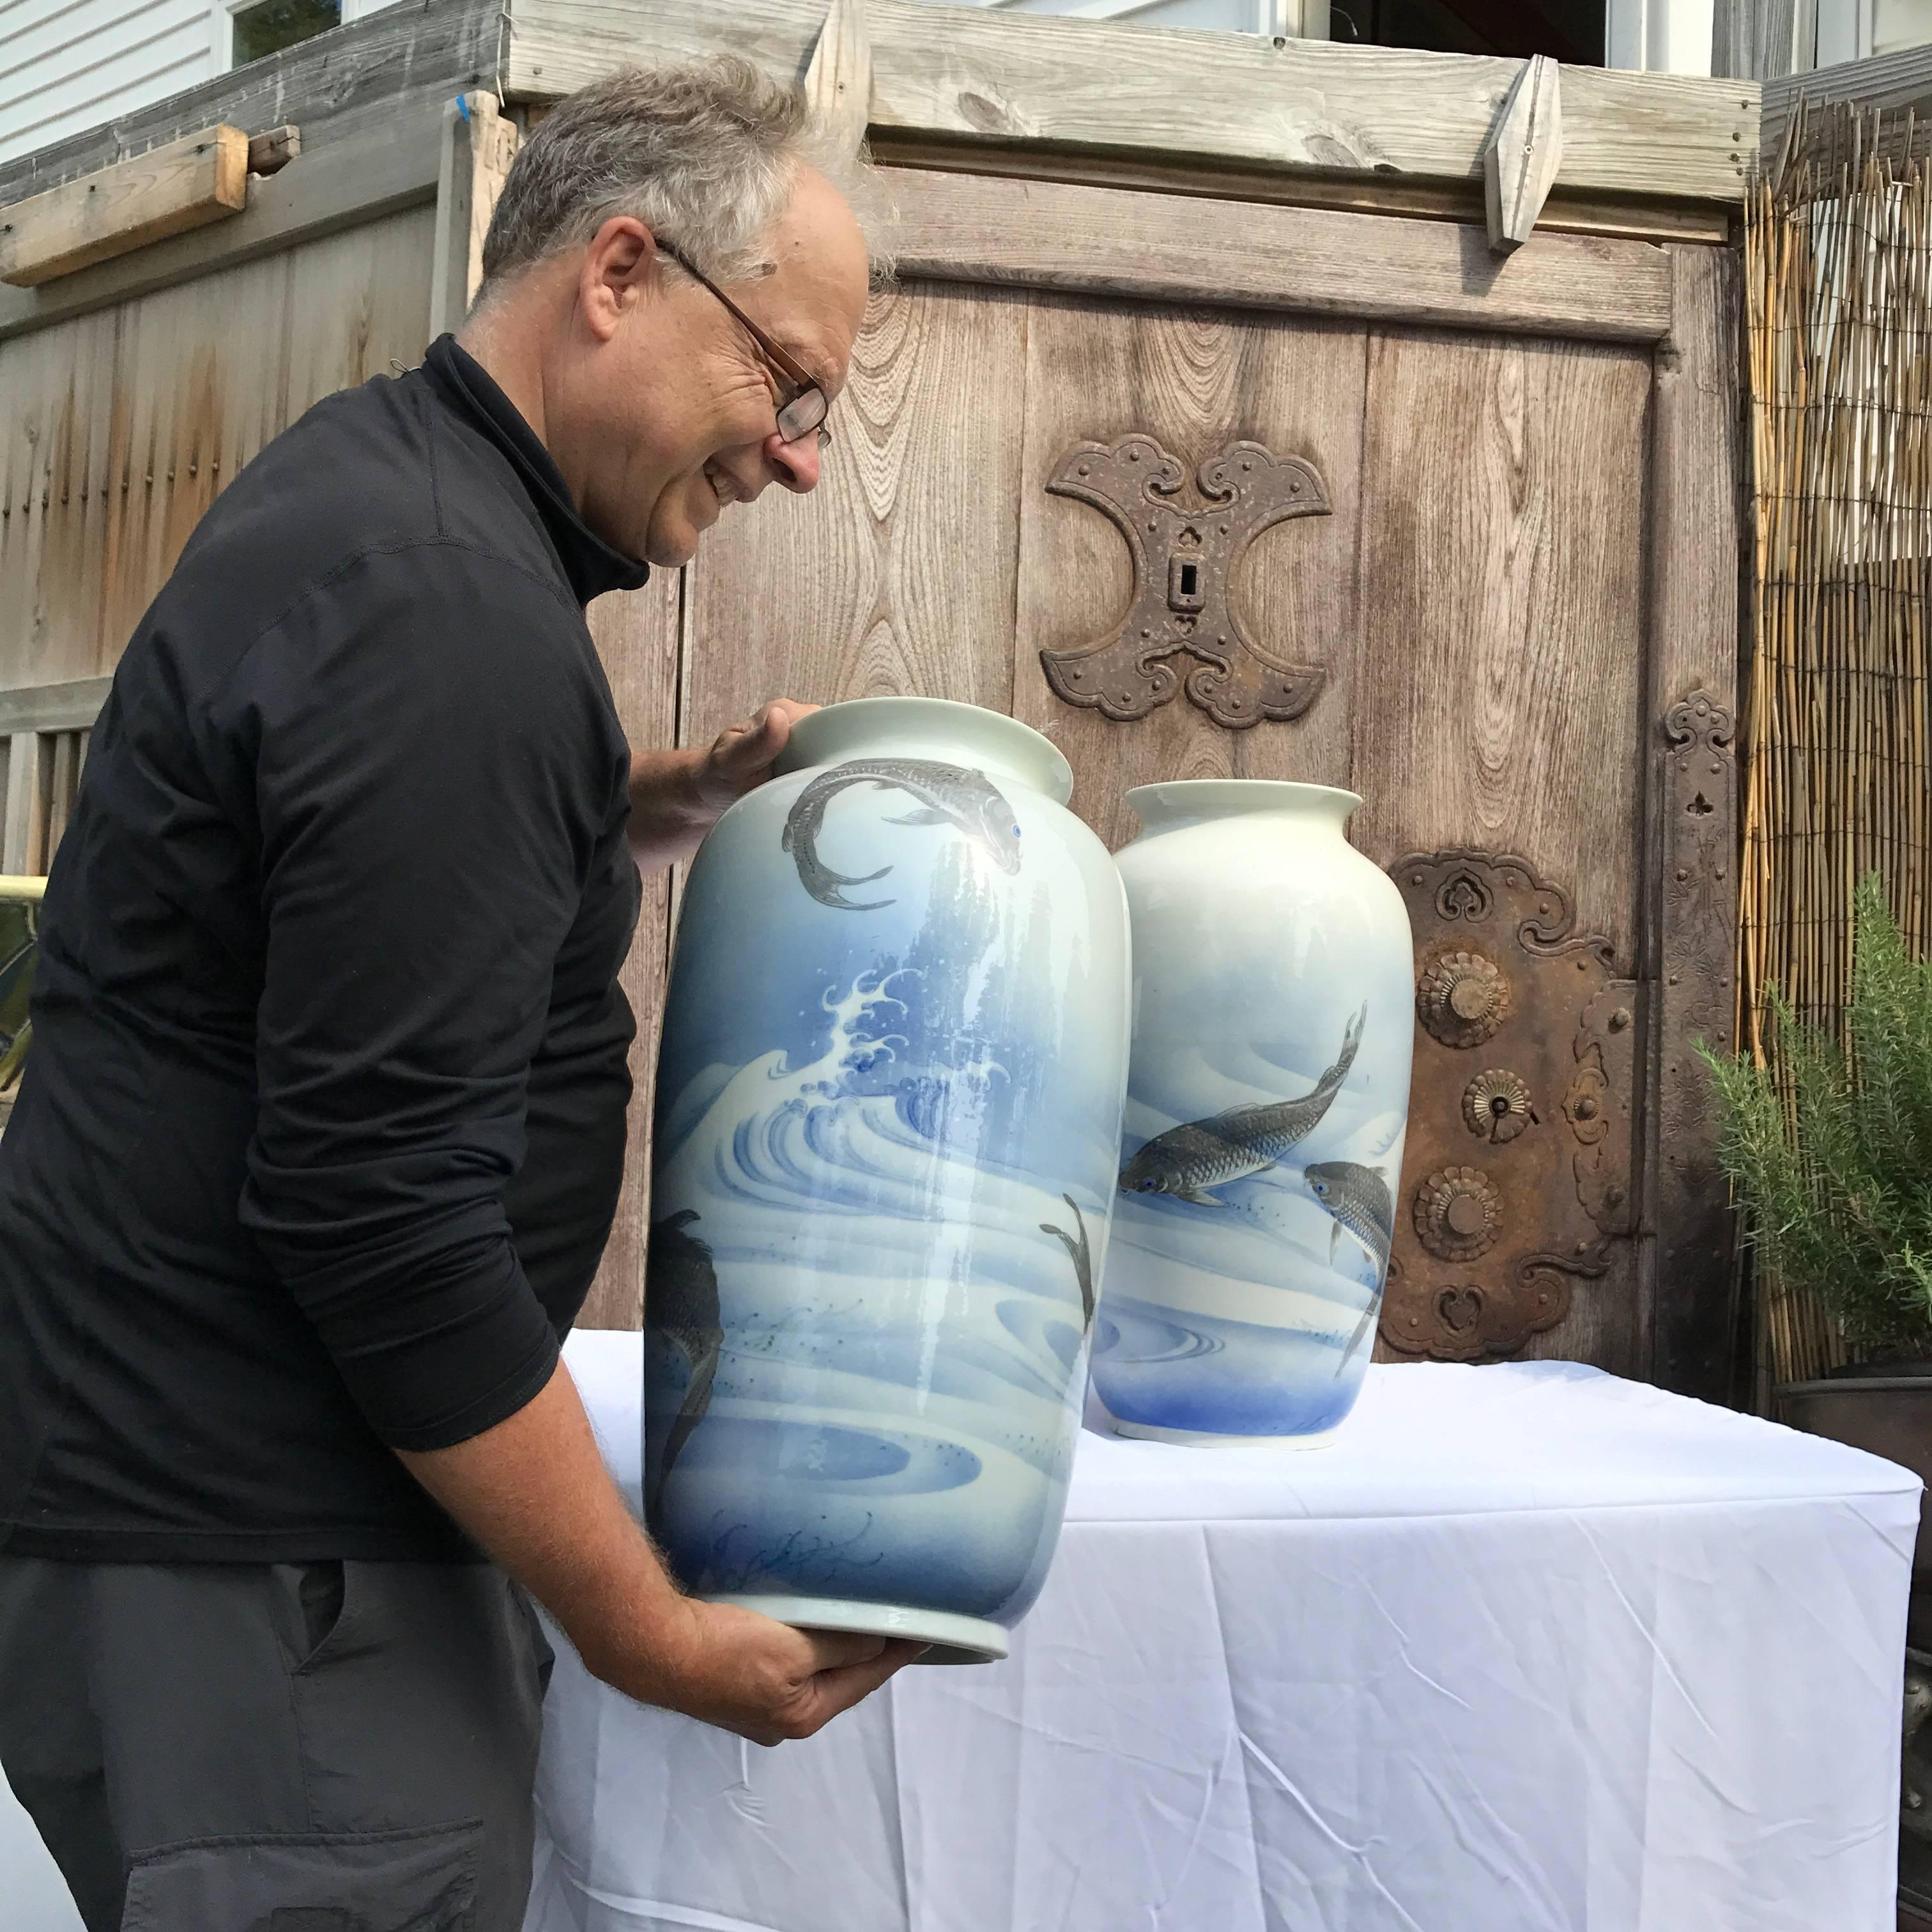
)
(1529, 1648)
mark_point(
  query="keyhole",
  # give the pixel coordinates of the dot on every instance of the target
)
(1499, 1106)
(1700, 807)
(1190, 574)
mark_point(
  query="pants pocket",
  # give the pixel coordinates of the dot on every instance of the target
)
(407, 1881)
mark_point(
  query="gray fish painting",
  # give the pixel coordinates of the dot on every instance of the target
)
(1358, 1198)
(1188, 1159)
(681, 1304)
(1081, 1251)
(952, 795)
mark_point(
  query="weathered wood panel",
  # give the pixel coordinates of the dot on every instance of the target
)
(119, 428)
(897, 575)
(1196, 382)
(1307, 261)
(1092, 84)
(637, 634)
(1503, 587)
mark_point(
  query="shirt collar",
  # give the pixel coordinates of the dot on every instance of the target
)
(592, 565)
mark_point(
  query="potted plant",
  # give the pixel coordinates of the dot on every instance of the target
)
(1831, 1158)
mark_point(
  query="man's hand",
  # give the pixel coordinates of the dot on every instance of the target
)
(533, 1491)
(745, 1673)
(677, 796)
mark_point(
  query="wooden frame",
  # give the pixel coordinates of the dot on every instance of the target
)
(45, 729)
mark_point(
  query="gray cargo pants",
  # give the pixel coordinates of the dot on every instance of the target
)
(289, 1747)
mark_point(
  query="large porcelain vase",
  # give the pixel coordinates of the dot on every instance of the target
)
(888, 1106)
(1268, 1101)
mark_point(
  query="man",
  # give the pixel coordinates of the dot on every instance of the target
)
(321, 1136)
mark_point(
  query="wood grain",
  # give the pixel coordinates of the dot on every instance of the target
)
(637, 637)
(1694, 622)
(70, 706)
(1196, 382)
(118, 429)
(1503, 600)
(1297, 260)
(480, 142)
(1897, 81)
(1042, 81)
(200, 178)
(897, 575)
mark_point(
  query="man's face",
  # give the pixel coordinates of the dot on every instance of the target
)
(688, 401)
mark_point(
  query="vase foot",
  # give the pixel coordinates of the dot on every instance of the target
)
(1204, 1438)
(954, 1639)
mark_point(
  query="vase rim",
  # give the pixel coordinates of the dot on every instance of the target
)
(1237, 795)
(989, 738)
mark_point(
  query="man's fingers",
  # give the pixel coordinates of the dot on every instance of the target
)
(834, 1650)
(839, 1688)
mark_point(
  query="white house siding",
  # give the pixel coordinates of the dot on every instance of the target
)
(67, 65)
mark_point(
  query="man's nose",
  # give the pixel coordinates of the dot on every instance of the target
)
(796, 463)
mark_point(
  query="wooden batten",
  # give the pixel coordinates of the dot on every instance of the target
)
(838, 83)
(1521, 158)
(184, 185)
(1051, 84)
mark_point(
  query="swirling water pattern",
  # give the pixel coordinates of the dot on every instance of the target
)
(895, 1397)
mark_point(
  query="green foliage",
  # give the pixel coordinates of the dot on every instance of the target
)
(1830, 1151)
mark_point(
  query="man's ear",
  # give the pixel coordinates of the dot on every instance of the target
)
(619, 266)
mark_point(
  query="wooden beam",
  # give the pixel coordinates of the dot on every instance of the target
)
(1764, 40)
(71, 707)
(1520, 161)
(1158, 247)
(479, 143)
(345, 86)
(329, 188)
(1036, 81)
(186, 185)
(838, 83)
(24, 830)
(1897, 81)
(1699, 221)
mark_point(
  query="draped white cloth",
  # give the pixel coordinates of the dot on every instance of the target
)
(1528, 1649)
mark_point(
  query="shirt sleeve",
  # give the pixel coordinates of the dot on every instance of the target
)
(428, 763)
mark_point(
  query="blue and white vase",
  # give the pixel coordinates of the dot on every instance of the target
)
(1267, 1102)
(888, 1117)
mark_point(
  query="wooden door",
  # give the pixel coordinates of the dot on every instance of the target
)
(1509, 591)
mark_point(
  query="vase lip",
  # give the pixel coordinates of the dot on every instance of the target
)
(1225, 797)
(939, 726)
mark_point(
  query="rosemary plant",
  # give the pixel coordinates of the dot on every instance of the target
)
(1830, 1146)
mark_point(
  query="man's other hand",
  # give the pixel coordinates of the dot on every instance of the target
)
(677, 796)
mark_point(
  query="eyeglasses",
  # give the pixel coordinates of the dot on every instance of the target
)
(802, 403)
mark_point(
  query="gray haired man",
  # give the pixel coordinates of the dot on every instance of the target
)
(321, 1137)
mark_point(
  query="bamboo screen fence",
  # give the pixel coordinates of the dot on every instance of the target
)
(1838, 249)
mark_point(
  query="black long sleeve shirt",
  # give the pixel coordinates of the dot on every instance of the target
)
(322, 1126)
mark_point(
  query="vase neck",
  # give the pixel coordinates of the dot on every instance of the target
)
(1318, 811)
(934, 729)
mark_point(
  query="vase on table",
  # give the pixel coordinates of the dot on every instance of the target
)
(888, 1111)
(1267, 1102)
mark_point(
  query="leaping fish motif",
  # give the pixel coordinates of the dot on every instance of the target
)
(1358, 1198)
(947, 795)
(1081, 1250)
(1187, 1160)
(681, 1304)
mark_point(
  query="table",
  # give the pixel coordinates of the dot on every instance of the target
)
(1529, 1649)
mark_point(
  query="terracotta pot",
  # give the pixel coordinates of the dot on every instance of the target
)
(1888, 1413)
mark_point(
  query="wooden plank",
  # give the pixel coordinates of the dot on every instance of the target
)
(1502, 593)
(343, 185)
(1694, 622)
(1195, 381)
(271, 152)
(897, 575)
(1899, 81)
(1308, 261)
(1564, 214)
(23, 835)
(1037, 80)
(637, 636)
(185, 185)
(479, 143)
(70, 706)
(64, 776)
(1763, 40)
(342, 87)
